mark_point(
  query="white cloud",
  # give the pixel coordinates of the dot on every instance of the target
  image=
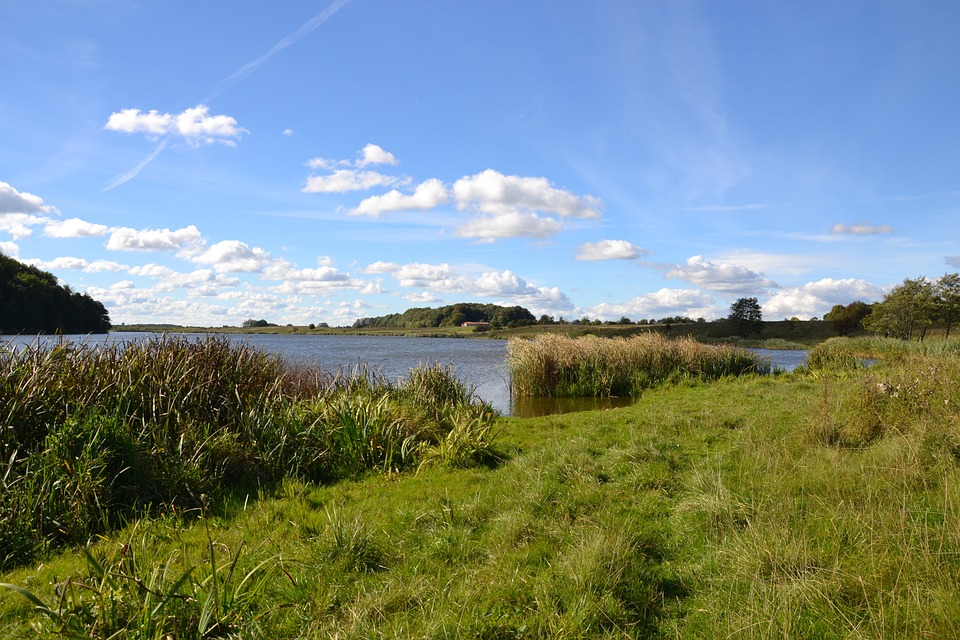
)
(13, 201)
(18, 225)
(506, 284)
(423, 297)
(78, 264)
(509, 225)
(195, 125)
(665, 302)
(152, 270)
(817, 298)
(493, 193)
(720, 276)
(344, 180)
(381, 267)
(74, 228)
(373, 154)
(232, 256)
(429, 276)
(427, 195)
(9, 249)
(609, 250)
(287, 132)
(373, 287)
(503, 283)
(127, 239)
(953, 261)
(860, 229)
(134, 121)
(309, 281)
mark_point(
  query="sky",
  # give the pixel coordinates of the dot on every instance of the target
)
(205, 163)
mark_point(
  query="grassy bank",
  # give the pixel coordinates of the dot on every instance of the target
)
(804, 506)
(96, 435)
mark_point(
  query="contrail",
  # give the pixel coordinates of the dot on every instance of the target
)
(285, 42)
(119, 180)
(236, 77)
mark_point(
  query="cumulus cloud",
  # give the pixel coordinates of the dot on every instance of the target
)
(817, 298)
(78, 264)
(422, 297)
(426, 196)
(18, 225)
(287, 132)
(493, 193)
(517, 206)
(74, 228)
(374, 154)
(350, 176)
(324, 276)
(429, 276)
(665, 302)
(127, 239)
(720, 276)
(609, 250)
(860, 229)
(381, 267)
(19, 209)
(13, 201)
(953, 261)
(509, 225)
(233, 256)
(195, 125)
(506, 284)
(9, 249)
(344, 180)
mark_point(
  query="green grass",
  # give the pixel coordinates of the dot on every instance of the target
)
(95, 436)
(813, 505)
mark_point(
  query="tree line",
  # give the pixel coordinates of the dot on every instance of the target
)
(451, 316)
(33, 302)
(914, 306)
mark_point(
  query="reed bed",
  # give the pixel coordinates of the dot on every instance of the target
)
(849, 353)
(559, 366)
(92, 436)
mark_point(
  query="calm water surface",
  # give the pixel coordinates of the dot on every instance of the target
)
(481, 364)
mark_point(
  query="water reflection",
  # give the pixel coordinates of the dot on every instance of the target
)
(535, 407)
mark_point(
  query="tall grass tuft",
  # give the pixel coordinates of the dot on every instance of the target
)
(90, 437)
(553, 365)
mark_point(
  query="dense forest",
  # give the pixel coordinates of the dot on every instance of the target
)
(451, 316)
(32, 302)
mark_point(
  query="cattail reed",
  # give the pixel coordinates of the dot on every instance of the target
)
(556, 366)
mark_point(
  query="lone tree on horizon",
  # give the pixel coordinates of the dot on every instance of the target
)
(746, 317)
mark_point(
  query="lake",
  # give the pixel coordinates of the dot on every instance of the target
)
(481, 364)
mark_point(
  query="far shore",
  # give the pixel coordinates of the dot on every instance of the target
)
(783, 334)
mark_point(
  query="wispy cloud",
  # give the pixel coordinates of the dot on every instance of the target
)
(235, 78)
(728, 207)
(133, 173)
(306, 29)
(860, 229)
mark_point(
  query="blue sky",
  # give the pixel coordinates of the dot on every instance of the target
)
(209, 162)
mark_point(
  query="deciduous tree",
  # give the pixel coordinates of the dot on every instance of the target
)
(746, 317)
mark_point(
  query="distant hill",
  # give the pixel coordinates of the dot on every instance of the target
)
(451, 316)
(32, 302)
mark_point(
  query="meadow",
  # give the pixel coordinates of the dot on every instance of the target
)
(815, 504)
